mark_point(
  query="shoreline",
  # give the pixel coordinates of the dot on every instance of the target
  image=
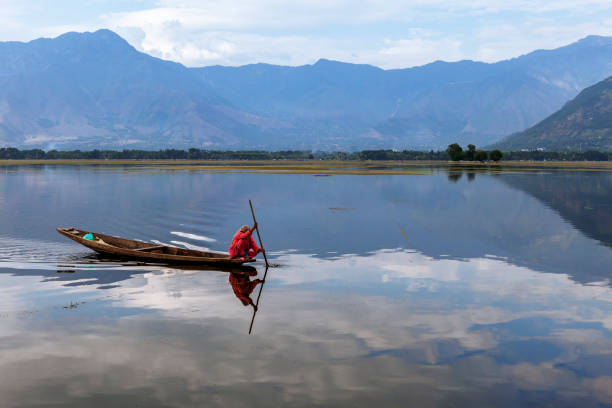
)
(322, 166)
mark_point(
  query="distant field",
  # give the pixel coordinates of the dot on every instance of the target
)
(318, 167)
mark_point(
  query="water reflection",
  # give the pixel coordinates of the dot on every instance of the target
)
(505, 215)
(256, 306)
(454, 176)
(583, 199)
(243, 286)
(428, 292)
(392, 326)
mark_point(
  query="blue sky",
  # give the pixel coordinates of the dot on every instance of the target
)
(385, 33)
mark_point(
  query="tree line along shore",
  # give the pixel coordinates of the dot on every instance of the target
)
(453, 152)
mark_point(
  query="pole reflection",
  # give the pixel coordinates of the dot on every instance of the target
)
(256, 306)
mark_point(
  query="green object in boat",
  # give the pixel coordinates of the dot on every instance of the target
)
(88, 236)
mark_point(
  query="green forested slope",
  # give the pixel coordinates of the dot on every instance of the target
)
(584, 123)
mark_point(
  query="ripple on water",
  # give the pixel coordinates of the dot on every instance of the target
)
(16, 253)
(156, 222)
(37, 251)
(193, 236)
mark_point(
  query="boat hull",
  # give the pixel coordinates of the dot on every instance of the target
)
(127, 248)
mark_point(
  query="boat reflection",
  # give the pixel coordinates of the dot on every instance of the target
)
(92, 269)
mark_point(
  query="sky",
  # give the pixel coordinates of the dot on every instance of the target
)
(385, 33)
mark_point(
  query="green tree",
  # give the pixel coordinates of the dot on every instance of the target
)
(496, 155)
(455, 152)
(480, 155)
(470, 152)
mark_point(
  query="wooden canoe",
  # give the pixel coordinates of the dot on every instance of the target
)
(128, 248)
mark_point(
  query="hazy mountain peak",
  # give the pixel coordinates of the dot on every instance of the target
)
(101, 34)
(102, 38)
(595, 40)
(336, 66)
(324, 62)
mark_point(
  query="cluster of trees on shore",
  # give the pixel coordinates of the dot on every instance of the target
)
(454, 152)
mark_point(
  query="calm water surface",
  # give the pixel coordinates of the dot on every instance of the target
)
(443, 289)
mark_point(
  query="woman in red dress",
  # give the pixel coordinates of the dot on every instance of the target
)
(243, 245)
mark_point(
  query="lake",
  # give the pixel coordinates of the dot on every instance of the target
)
(445, 287)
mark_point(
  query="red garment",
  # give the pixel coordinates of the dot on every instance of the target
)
(243, 241)
(243, 287)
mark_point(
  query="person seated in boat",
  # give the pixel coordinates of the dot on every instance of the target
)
(243, 287)
(243, 245)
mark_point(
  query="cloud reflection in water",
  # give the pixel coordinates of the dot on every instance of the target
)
(392, 327)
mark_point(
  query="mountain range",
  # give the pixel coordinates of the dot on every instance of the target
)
(94, 90)
(584, 123)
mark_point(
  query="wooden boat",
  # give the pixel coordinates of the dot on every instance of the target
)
(128, 248)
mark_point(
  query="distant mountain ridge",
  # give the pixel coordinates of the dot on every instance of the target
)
(584, 123)
(421, 107)
(94, 90)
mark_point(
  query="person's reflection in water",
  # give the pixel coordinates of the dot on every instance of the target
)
(243, 286)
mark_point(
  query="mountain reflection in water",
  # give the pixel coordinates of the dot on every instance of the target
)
(478, 290)
(583, 199)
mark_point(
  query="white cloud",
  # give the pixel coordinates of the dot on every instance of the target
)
(390, 34)
(410, 52)
(197, 33)
(503, 40)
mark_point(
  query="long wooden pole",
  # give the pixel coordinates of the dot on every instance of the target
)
(258, 235)
(265, 274)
